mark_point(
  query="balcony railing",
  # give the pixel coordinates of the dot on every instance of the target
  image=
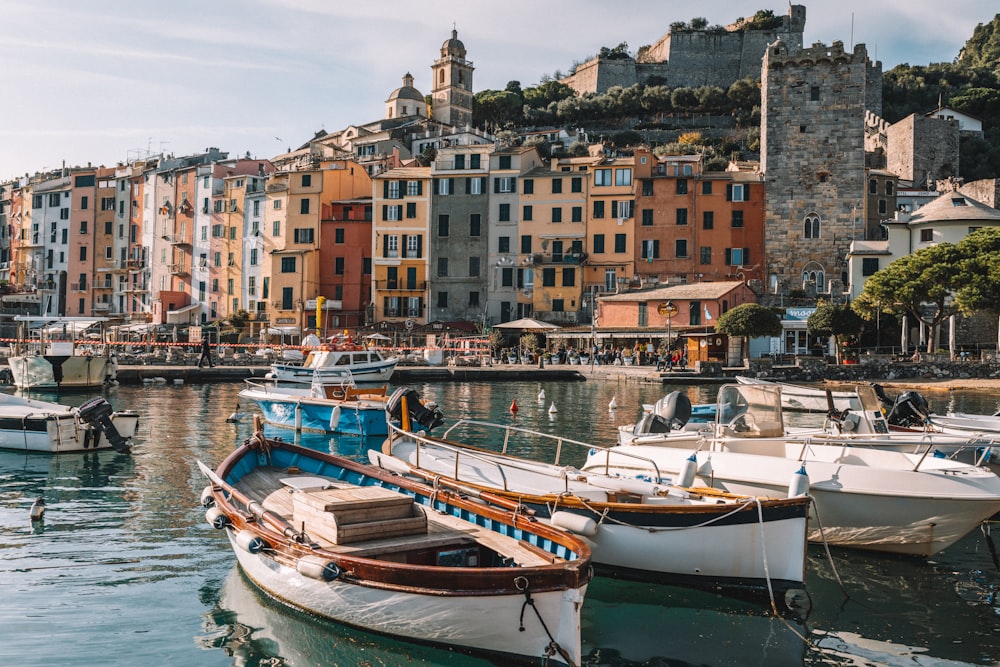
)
(401, 285)
(177, 269)
(559, 258)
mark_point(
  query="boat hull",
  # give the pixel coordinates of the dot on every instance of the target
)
(59, 372)
(60, 434)
(373, 372)
(361, 417)
(866, 499)
(487, 623)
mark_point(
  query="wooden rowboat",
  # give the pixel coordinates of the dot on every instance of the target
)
(361, 546)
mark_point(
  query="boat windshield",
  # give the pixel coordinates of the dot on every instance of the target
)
(751, 410)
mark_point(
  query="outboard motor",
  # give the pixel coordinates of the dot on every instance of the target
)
(651, 423)
(97, 413)
(674, 409)
(910, 409)
(879, 390)
(427, 416)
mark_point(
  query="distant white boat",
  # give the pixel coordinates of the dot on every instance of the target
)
(336, 363)
(808, 399)
(51, 353)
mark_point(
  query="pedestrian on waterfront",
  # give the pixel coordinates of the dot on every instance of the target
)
(206, 353)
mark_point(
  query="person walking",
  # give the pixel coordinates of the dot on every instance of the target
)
(206, 353)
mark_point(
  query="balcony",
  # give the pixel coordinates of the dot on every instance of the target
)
(134, 265)
(574, 258)
(102, 307)
(174, 239)
(78, 287)
(401, 285)
(177, 269)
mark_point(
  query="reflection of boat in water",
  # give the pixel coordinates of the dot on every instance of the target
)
(50, 354)
(257, 630)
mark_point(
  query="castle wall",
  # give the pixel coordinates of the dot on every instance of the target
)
(813, 157)
(937, 157)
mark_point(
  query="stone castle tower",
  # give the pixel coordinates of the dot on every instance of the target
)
(813, 104)
(452, 88)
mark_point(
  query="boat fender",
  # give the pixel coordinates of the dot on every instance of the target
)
(250, 542)
(207, 498)
(688, 470)
(334, 417)
(216, 518)
(317, 568)
(799, 485)
(575, 523)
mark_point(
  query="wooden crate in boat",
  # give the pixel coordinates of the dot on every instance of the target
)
(354, 514)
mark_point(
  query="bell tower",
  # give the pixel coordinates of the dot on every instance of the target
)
(452, 88)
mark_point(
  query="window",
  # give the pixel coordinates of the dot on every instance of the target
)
(873, 186)
(507, 277)
(307, 180)
(83, 253)
(256, 207)
(391, 243)
(869, 266)
(504, 184)
(504, 213)
(443, 186)
(737, 256)
(504, 162)
(414, 188)
(814, 93)
(217, 259)
(623, 177)
(392, 212)
(598, 243)
(276, 228)
(277, 204)
(473, 267)
(694, 313)
(602, 177)
(253, 257)
(413, 246)
(598, 208)
(459, 162)
(527, 213)
(577, 213)
(650, 249)
(811, 226)
(926, 235)
(529, 186)
(647, 187)
(503, 244)
(304, 235)
(647, 217)
(558, 305)
(680, 248)
(366, 266)
(288, 264)
(473, 299)
(338, 266)
(620, 240)
(304, 206)
(888, 187)
(737, 192)
(411, 210)
(682, 186)
(526, 244)
(474, 161)
(442, 300)
(737, 220)
(621, 209)
(708, 220)
(557, 251)
(556, 186)
(881, 207)
(556, 214)
(475, 225)
(682, 216)
(706, 187)
(251, 285)
(548, 277)
(83, 226)
(338, 235)
(475, 185)
(443, 221)
(576, 184)
(705, 255)
(393, 191)
(84, 203)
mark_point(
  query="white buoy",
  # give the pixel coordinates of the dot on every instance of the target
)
(613, 405)
(799, 486)
(541, 395)
(37, 509)
(553, 409)
(688, 470)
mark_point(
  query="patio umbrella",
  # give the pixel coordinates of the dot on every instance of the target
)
(527, 324)
(377, 336)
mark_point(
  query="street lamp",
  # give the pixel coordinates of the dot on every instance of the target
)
(667, 309)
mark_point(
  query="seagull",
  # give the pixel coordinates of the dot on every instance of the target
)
(37, 509)
(613, 405)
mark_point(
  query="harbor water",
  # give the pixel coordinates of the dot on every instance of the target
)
(124, 570)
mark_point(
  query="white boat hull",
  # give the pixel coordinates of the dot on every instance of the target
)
(40, 426)
(75, 372)
(483, 623)
(864, 498)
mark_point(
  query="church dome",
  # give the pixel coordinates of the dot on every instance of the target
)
(406, 91)
(453, 46)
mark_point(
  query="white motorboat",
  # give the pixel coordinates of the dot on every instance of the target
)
(637, 529)
(869, 493)
(40, 426)
(52, 354)
(355, 544)
(339, 362)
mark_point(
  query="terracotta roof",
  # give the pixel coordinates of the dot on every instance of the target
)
(693, 291)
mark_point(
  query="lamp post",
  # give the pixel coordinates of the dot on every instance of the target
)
(667, 309)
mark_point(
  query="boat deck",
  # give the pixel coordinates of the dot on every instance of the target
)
(265, 485)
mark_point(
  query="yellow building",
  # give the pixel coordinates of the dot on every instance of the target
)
(610, 224)
(401, 209)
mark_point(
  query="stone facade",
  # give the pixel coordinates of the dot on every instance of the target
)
(813, 157)
(986, 191)
(922, 149)
(692, 58)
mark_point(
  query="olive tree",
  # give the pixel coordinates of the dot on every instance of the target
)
(749, 320)
(835, 320)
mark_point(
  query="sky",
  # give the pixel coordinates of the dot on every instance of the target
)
(108, 81)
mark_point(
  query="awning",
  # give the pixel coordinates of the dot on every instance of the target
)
(283, 331)
(179, 316)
